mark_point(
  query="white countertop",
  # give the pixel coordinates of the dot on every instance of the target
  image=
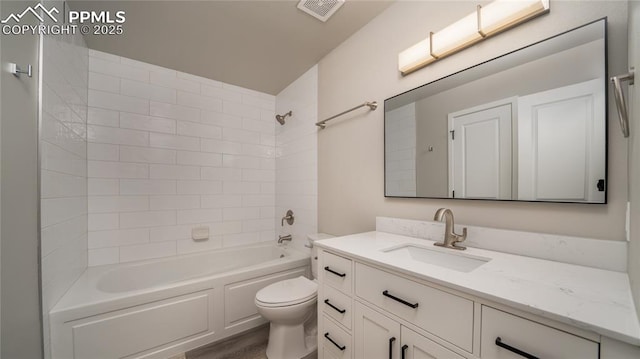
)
(593, 299)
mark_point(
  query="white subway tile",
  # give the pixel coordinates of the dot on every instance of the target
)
(175, 112)
(147, 251)
(200, 79)
(191, 246)
(268, 212)
(103, 221)
(100, 186)
(102, 117)
(171, 80)
(199, 187)
(147, 123)
(199, 130)
(267, 188)
(147, 91)
(104, 82)
(147, 155)
(174, 172)
(240, 239)
(252, 175)
(221, 201)
(59, 185)
(258, 150)
(241, 187)
(221, 174)
(145, 65)
(116, 69)
(239, 161)
(103, 256)
(220, 93)
(199, 215)
(56, 210)
(259, 126)
(104, 169)
(242, 136)
(62, 234)
(174, 142)
(217, 146)
(173, 202)
(261, 102)
(235, 214)
(141, 187)
(221, 119)
(256, 225)
(198, 101)
(242, 110)
(102, 152)
(116, 102)
(58, 159)
(170, 233)
(199, 159)
(147, 219)
(102, 239)
(117, 136)
(261, 200)
(109, 204)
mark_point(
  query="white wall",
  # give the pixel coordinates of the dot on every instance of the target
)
(296, 157)
(364, 68)
(63, 165)
(634, 152)
(169, 151)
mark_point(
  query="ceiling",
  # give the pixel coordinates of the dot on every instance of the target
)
(262, 45)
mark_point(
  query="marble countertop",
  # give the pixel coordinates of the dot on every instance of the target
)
(589, 298)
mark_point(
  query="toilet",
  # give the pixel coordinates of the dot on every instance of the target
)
(290, 306)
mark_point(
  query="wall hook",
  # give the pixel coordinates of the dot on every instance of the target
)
(16, 70)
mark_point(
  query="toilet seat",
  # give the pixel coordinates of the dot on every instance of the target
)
(287, 292)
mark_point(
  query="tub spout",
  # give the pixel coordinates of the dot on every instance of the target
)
(282, 239)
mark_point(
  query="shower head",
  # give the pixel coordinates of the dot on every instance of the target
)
(280, 118)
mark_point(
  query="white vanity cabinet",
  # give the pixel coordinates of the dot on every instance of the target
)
(369, 312)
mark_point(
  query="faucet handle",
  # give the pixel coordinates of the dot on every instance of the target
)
(464, 235)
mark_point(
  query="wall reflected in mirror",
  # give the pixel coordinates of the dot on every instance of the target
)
(527, 126)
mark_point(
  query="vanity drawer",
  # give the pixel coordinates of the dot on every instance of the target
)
(336, 343)
(337, 272)
(336, 305)
(443, 314)
(536, 339)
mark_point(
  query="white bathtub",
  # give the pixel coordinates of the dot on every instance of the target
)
(159, 308)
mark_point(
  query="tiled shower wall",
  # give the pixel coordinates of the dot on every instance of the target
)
(168, 152)
(297, 156)
(63, 163)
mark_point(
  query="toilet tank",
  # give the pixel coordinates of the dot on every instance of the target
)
(314, 251)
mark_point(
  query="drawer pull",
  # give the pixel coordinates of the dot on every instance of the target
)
(342, 348)
(514, 350)
(341, 311)
(391, 340)
(334, 272)
(404, 350)
(412, 305)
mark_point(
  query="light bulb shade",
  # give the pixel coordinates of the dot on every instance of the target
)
(415, 57)
(502, 14)
(460, 34)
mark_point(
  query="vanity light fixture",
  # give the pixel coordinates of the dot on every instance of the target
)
(486, 21)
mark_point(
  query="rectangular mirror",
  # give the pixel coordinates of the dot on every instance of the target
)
(529, 125)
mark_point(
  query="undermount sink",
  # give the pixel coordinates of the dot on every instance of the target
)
(456, 261)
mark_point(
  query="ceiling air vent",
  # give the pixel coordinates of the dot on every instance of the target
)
(320, 9)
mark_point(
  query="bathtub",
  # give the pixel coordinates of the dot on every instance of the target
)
(159, 308)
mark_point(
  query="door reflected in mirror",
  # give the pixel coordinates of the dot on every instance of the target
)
(528, 126)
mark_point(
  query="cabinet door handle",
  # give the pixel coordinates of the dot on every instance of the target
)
(341, 347)
(391, 340)
(334, 272)
(412, 305)
(341, 311)
(404, 350)
(514, 350)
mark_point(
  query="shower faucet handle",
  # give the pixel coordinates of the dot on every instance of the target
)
(288, 217)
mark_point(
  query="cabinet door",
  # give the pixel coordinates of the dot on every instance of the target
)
(415, 346)
(376, 336)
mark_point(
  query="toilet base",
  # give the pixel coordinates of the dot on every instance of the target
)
(290, 342)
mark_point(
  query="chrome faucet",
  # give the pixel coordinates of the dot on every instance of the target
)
(450, 237)
(281, 239)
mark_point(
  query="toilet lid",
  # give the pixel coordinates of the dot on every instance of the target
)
(288, 292)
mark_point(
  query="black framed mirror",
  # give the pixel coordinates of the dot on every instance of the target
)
(530, 125)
